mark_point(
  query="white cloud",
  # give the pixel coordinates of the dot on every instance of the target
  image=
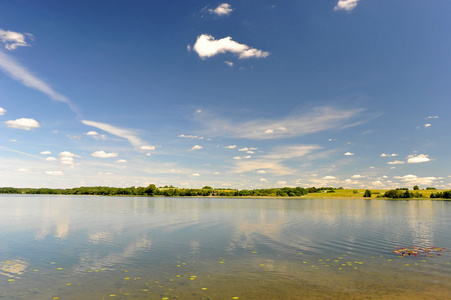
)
(389, 155)
(329, 177)
(414, 179)
(13, 141)
(319, 119)
(196, 147)
(92, 133)
(23, 123)
(129, 135)
(420, 158)
(189, 136)
(244, 149)
(229, 63)
(281, 182)
(67, 161)
(231, 147)
(223, 9)
(347, 5)
(269, 131)
(260, 172)
(51, 158)
(217, 173)
(12, 39)
(349, 154)
(54, 173)
(45, 152)
(432, 117)
(396, 162)
(196, 174)
(21, 74)
(292, 151)
(427, 125)
(147, 147)
(68, 154)
(121, 161)
(263, 180)
(357, 176)
(207, 46)
(250, 152)
(103, 154)
(2, 111)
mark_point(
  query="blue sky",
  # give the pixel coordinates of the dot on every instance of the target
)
(241, 94)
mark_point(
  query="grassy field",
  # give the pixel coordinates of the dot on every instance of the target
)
(358, 193)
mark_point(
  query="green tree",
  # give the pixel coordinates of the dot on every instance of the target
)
(416, 188)
(367, 194)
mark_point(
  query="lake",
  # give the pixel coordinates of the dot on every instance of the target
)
(89, 247)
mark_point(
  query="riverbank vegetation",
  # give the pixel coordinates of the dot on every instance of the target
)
(171, 191)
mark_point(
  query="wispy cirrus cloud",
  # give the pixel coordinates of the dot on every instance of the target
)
(347, 5)
(127, 134)
(319, 119)
(272, 162)
(18, 72)
(207, 46)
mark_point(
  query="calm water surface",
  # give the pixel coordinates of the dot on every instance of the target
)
(87, 247)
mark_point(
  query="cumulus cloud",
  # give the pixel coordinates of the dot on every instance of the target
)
(229, 63)
(329, 177)
(347, 5)
(420, 158)
(231, 147)
(12, 39)
(2, 111)
(51, 158)
(21, 74)
(54, 173)
(46, 152)
(207, 46)
(92, 133)
(67, 161)
(427, 125)
(281, 182)
(68, 154)
(196, 174)
(414, 179)
(396, 162)
(357, 176)
(103, 154)
(224, 9)
(349, 154)
(121, 161)
(260, 172)
(196, 147)
(316, 120)
(23, 123)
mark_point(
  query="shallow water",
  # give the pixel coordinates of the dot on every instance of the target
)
(87, 247)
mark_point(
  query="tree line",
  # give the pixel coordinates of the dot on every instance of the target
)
(169, 191)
